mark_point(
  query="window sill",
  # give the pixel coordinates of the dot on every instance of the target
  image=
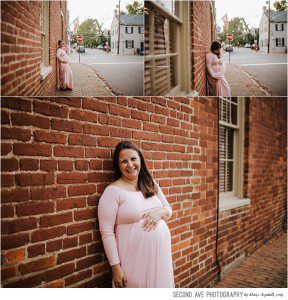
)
(45, 71)
(232, 202)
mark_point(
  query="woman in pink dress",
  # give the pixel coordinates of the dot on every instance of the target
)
(132, 212)
(217, 83)
(65, 72)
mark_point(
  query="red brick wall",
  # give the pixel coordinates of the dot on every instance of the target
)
(56, 162)
(203, 34)
(21, 47)
(243, 230)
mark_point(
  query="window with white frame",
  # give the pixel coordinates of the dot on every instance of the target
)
(280, 42)
(140, 29)
(44, 18)
(228, 125)
(231, 152)
(129, 30)
(279, 27)
(130, 44)
(167, 48)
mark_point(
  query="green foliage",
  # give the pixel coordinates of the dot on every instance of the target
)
(280, 5)
(73, 38)
(136, 8)
(240, 30)
(92, 32)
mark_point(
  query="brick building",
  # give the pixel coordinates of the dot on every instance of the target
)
(56, 162)
(30, 31)
(178, 34)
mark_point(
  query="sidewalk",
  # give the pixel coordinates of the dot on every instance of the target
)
(86, 83)
(265, 268)
(241, 83)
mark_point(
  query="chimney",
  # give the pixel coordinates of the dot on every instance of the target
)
(115, 12)
(264, 9)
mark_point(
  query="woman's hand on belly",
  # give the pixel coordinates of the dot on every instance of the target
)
(152, 218)
(119, 277)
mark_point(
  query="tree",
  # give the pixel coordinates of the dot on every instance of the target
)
(280, 5)
(240, 30)
(91, 30)
(136, 8)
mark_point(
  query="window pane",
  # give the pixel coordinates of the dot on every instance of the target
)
(169, 5)
(222, 177)
(229, 176)
(222, 142)
(229, 146)
(226, 157)
(234, 109)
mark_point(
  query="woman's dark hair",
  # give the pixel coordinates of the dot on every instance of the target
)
(145, 182)
(59, 42)
(215, 45)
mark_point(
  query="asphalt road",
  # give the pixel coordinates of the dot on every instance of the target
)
(123, 73)
(269, 70)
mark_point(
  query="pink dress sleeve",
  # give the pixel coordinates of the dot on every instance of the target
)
(209, 58)
(59, 54)
(162, 198)
(107, 213)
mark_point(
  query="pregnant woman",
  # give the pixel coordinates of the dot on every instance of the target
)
(217, 83)
(132, 213)
(65, 72)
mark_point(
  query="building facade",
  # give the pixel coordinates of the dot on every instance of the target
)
(178, 34)
(131, 33)
(278, 31)
(57, 161)
(30, 33)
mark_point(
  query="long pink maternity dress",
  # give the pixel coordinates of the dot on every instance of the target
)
(144, 256)
(65, 72)
(215, 66)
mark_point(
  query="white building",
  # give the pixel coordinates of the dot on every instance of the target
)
(278, 31)
(131, 33)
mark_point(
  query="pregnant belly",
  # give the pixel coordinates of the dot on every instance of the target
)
(65, 57)
(134, 234)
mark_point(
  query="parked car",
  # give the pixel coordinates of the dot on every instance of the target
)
(81, 49)
(228, 48)
(100, 47)
(139, 51)
(247, 45)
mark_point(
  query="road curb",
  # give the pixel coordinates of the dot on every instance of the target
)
(102, 81)
(253, 80)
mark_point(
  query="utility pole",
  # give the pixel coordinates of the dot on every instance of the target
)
(118, 44)
(268, 44)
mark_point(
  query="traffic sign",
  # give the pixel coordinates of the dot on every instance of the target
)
(229, 36)
(79, 38)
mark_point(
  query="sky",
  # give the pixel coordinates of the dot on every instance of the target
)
(101, 10)
(250, 10)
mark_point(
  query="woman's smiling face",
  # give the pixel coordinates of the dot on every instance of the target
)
(129, 164)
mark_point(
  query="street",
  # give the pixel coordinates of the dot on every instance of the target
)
(269, 70)
(123, 73)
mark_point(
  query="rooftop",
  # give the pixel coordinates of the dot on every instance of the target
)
(277, 16)
(126, 19)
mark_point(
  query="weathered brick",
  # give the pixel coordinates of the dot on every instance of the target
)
(37, 265)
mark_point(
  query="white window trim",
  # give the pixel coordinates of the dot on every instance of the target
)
(182, 52)
(235, 199)
(129, 28)
(127, 44)
(45, 71)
